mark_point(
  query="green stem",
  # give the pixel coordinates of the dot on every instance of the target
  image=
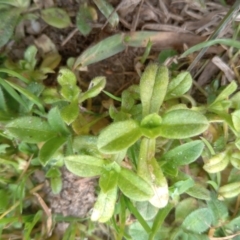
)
(159, 219)
(135, 212)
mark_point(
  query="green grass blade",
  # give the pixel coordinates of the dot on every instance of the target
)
(228, 42)
(14, 74)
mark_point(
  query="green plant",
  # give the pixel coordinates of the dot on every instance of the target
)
(145, 159)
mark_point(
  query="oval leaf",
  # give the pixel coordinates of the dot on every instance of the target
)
(86, 144)
(95, 87)
(182, 123)
(85, 16)
(56, 185)
(198, 221)
(118, 136)
(153, 87)
(179, 85)
(134, 186)
(200, 192)
(236, 120)
(56, 122)
(56, 17)
(70, 112)
(9, 18)
(105, 205)
(147, 210)
(30, 129)
(150, 124)
(181, 155)
(84, 166)
(108, 180)
(49, 148)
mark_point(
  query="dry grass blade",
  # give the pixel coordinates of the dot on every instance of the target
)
(224, 67)
(221, 26)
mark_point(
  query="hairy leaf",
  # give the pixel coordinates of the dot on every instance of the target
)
(182, 123)
(56, 17)
(179, 85)
(9, 18)
(84, 166)
(49, 148)
(133, 186)
(104, 207)
(30, 129)
(153, 88)
(198, 221)
(118, 136)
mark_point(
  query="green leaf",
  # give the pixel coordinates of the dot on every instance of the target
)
(137, 232)
(108, 180)
(9, 18)
(147, 210)
(56, 17)
(165, 54)
(107, 9)
(153, 88)
(159, 185)
(84, 166)
(229, 190)
(104, 207)
(182, 186)
(198, 221)
(30, 129)
(198, 191)
(118, 136)
(149, 124)
(67, 80)
(102, 50)
(30, 96)
(5, 199)
(70, 112)
(179, 85)
(217, 163)
(235, 101)
(86, 145)
(56, 185)
(95, 87)
(3, 104)
(235, 159)
(226, 92)
(16, 3)
(219, 210)
(13, 93)
(85, 16)
(55, 179)
(49, 148)
(184, 208)
(233, 226)
(236, 120)
(181, 155)
(53, 173)
(30, 56)
(133, 186)
(182, 123)
(56, 122)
